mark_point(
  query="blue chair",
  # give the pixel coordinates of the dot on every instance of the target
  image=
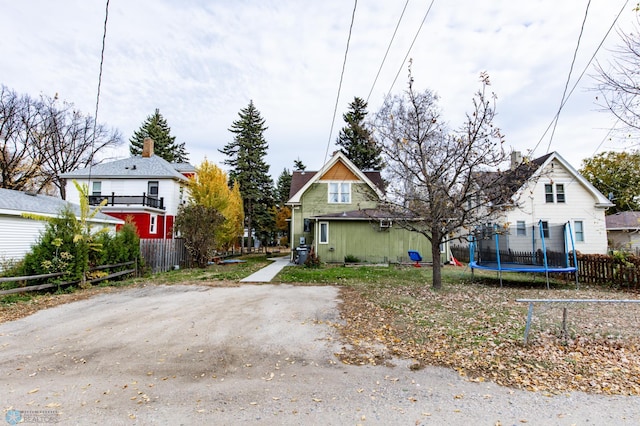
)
(415, 256)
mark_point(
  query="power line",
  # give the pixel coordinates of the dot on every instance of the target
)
(387, 52)
(411, 46)
(566, 85)
(581, 75)
(344, 63)
(95, 118)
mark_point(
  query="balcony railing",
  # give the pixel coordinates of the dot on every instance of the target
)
(128, 200)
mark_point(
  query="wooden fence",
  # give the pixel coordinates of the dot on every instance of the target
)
(592, 268)
(165, 255)
(45, 286)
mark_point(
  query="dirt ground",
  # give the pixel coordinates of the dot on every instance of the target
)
(265, 354)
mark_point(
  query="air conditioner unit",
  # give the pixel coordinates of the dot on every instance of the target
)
(385, 223)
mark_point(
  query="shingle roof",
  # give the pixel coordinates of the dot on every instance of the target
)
(132, 167)
(623, 220)
(22, 202)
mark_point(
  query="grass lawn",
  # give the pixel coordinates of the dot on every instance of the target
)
(475, 327)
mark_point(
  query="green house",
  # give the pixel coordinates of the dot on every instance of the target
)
(335, 215)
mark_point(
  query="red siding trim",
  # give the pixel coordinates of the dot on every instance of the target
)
(142, 222)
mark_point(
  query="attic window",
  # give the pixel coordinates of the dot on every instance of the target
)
(549, 193)
(340, 192)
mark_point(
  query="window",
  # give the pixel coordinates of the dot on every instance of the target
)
(324, 232)
(548, 193)
(153, 219)
(545, 229)
(579, 230)
(96, 188)
(521, 228)
(152, 189)
(340, 192)
(560, 193)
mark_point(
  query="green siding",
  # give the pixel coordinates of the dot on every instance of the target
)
(366, 241)
(360, 238)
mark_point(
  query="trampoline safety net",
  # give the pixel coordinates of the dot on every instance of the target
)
(522, 245)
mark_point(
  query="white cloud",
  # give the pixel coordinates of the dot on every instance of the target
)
(200, 62)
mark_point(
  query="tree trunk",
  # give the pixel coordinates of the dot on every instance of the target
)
(437, 270)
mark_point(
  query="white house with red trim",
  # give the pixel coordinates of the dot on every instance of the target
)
(147, 188)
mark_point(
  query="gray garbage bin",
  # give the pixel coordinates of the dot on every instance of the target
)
(302, 255)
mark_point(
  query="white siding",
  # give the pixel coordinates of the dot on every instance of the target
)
(578, 206)
(18, 235)
(168, 189)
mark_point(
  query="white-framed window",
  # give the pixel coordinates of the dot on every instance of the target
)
(548, 193)
(340, 192)
(96, 188)
(152, 189)
(560, 193)
(578, 230)
(324, 233)
(521, 228)
(153, 223)
(551, 196)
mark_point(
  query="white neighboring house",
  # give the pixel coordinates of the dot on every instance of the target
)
(144, 188)
(555, 193)
(19, 233)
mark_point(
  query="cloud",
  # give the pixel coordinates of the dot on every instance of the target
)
(200, 62)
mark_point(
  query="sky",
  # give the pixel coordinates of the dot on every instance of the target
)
(201, 61)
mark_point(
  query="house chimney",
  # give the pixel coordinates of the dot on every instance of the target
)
(516, 159)
(147, 148)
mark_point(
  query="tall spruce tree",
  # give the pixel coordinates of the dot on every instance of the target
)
(165, 145)
(246, 155)
(356, 140)
(283, 187)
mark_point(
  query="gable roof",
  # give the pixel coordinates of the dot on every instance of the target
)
(14, 203)
(136, 167)
(516, 179)
(302, 180)
(623, 221)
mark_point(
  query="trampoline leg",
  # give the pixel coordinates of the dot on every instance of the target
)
(500, 275)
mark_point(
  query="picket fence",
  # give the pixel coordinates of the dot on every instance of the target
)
(592, 268)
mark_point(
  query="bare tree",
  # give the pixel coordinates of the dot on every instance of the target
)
(40, 139)
(21, 158)
(619, 80)
(71, 140)
(434, 173)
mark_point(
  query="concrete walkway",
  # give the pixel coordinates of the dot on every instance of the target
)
(267, 273)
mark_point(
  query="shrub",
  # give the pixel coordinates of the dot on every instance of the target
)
(351, 259)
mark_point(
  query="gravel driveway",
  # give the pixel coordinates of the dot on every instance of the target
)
(264, 354)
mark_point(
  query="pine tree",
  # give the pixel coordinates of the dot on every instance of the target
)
(165, 146)
(356, 140)
(246, 155)
(299, 165)
(283, 187)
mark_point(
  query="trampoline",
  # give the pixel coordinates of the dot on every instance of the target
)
(541, 248)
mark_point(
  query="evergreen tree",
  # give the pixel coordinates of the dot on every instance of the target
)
(248, 168)
(165, 145)
(356, 140)
(299, 165)
(283, 186)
